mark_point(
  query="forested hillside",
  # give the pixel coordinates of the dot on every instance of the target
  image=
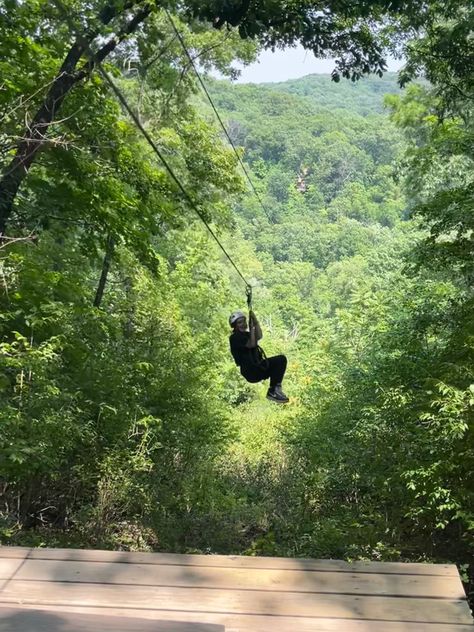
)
(124, 422)
(364, 97)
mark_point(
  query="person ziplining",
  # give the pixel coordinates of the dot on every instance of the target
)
(254, 365)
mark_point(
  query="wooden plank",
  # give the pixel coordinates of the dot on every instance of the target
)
(17, 620)
(234, 579)
(250, 623)
(230, 561)
(267, 603)
(9, 567)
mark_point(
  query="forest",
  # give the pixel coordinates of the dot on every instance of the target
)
(124, 422)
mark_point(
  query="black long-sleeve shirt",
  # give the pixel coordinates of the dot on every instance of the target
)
(242, 354)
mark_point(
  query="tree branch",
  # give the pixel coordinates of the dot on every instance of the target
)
(112, 44)
(65, 80)
(8, 241)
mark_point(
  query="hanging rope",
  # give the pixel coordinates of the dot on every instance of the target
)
(150, 141)
(216, 112)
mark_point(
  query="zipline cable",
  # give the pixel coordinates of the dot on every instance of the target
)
(216, 112)
(153, 145)
(151, 142)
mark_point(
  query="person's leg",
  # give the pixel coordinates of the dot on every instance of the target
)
(255, 374)
(276, 370)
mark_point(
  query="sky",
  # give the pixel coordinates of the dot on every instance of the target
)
(291, 63)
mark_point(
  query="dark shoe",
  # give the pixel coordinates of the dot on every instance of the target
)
(279, 391)
(275, 396)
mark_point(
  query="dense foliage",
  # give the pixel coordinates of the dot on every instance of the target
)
(123, 421)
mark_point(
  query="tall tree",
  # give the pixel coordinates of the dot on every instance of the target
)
(352, 32)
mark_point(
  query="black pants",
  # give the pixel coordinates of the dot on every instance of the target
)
(274, 368)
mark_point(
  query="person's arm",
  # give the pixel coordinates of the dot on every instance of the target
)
(253, 321)
(252, 341)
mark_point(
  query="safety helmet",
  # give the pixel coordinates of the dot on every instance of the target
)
(235, 316)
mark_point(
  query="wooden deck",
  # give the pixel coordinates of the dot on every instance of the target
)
(68, 590)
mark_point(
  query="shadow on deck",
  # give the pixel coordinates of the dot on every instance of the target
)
(15, 620)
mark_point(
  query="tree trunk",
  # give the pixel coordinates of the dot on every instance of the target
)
(35, 133)
(109, 251)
